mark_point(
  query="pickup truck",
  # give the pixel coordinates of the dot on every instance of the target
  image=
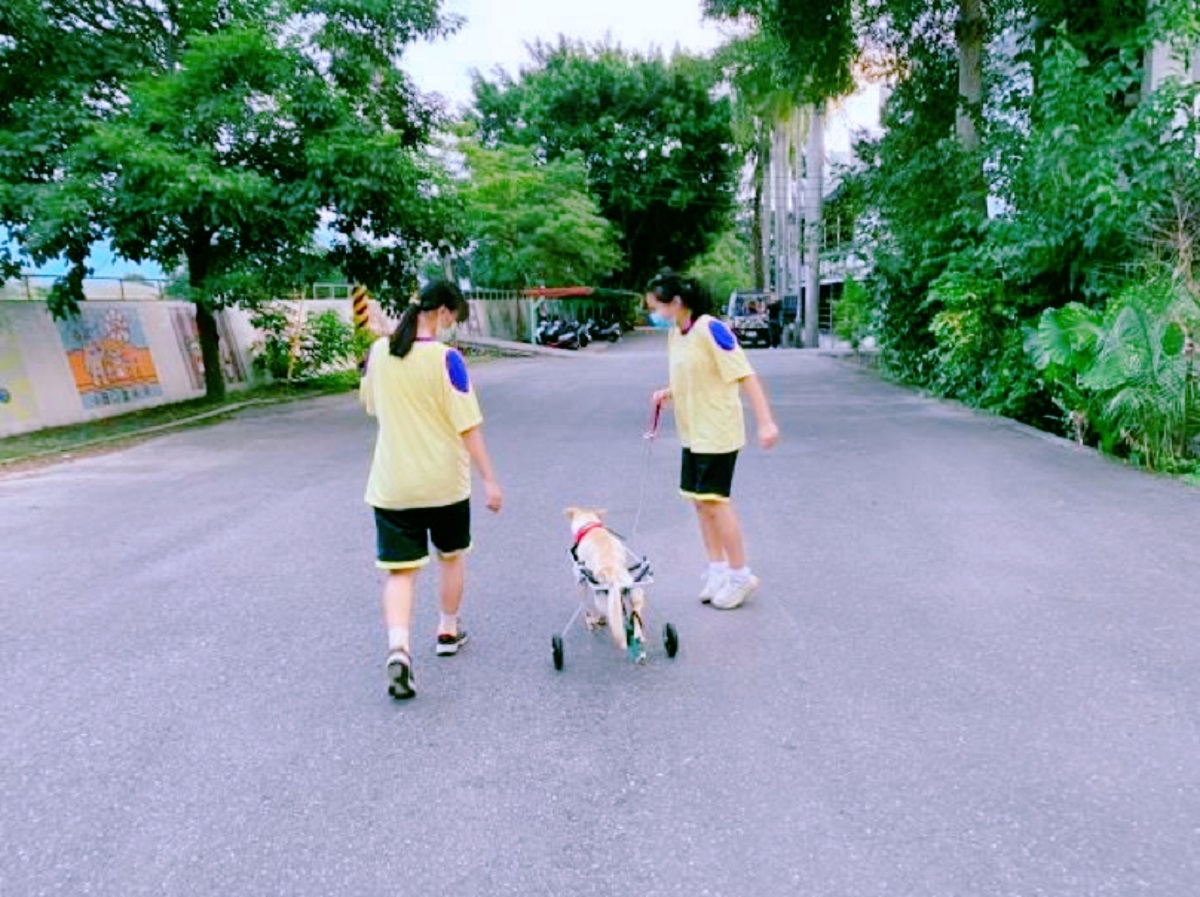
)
(758, 319)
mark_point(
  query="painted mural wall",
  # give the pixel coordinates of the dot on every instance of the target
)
(119, 356)
(111, 358)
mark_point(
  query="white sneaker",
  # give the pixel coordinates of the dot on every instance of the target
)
(734, 592)
(713, 581)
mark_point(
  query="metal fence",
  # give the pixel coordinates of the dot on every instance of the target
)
(36, 288)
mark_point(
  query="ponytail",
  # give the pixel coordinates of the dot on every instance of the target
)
(696, 298)
(405, 333)
(436, 294)
(692, 294)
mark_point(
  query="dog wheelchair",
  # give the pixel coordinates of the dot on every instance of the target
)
(596, 607)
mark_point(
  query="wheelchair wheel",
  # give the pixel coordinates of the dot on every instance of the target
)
(670, 640)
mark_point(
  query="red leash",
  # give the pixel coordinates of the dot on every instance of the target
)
(652, 433)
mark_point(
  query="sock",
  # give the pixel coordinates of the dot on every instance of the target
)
(449, 623)
(718, 567)
(741, 575)
(397, 637)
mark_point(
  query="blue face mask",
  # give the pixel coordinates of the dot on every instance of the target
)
(659, 320)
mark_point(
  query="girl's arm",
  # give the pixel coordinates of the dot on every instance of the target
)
(477, 449)
(768, 430)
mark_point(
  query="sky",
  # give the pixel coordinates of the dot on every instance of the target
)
(495, 33)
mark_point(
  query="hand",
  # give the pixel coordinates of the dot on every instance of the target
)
(768, 434)
(660, 397)
(494, 496)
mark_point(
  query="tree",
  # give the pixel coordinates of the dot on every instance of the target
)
(533, 223)
(724, 267)
(654, 137)
(240, 130)
(806, 46)
(63, 64)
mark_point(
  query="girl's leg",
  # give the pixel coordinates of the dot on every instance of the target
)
(398, 592)
(739, 583)
(729, 533)
(450, 636)
(709, 532)
(397, 616)
(707, 512)
(452, 582)
(722, 533)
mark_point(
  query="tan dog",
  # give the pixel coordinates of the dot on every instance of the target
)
(604, 555)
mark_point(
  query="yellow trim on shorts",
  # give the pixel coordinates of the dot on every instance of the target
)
(403, 565)
(451, 555)
(707, 496)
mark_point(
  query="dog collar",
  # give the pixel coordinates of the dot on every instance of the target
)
(584, 530)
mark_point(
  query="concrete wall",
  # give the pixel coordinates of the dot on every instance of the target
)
(507, 319)
(121, 356)
(113, 358)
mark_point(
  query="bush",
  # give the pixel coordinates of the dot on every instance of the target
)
(1125, 376)
(295, 349)
(852, 314)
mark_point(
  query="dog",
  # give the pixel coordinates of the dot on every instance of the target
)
(603, 554)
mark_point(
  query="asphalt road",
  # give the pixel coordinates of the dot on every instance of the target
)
(973, 667)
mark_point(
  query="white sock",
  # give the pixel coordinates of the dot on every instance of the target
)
(740, 575)
(717, 567)
(397, 637)
(449, 623)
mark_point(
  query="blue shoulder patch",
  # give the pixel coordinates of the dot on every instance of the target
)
(722, 335)
(456, 370)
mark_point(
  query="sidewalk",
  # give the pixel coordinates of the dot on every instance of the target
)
(513, 348)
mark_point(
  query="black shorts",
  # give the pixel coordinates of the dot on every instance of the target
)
(403, 537)
(707, 477)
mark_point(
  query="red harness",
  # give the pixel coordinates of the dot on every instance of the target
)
(587, 528)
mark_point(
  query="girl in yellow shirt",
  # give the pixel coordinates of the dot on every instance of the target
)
(708, 369)
(430, 430)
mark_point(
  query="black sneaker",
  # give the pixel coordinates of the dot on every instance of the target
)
(448, 645)
(400, 675)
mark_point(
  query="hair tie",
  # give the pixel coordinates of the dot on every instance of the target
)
(415, 300)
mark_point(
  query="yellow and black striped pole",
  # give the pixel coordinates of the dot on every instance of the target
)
(358, 304)
(358, 301)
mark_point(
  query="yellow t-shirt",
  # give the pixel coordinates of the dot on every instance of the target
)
(424, 403)
(706, 365)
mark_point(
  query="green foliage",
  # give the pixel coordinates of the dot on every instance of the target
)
(852, 314)
(725, 267)
(295, 348)
(1128, 372)
(1053, 310)
(533, 223)
(806, 46)
(216, 137)
(654, 136)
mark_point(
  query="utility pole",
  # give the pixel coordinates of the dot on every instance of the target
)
(814, 207)
(447, 263)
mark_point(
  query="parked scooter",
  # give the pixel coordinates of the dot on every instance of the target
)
(585, 333)
(610, 332)
(556, 334)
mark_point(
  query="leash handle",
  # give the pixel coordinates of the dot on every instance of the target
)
(655, 416)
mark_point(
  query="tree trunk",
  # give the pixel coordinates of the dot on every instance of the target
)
(756, 226)
(969, 33)
(814, 164)
(206, 320)
(779, 183)
(210, 350)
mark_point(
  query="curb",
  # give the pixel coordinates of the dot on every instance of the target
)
(512, 349)
(134, 434)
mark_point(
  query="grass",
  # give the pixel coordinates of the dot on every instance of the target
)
(123, 428)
